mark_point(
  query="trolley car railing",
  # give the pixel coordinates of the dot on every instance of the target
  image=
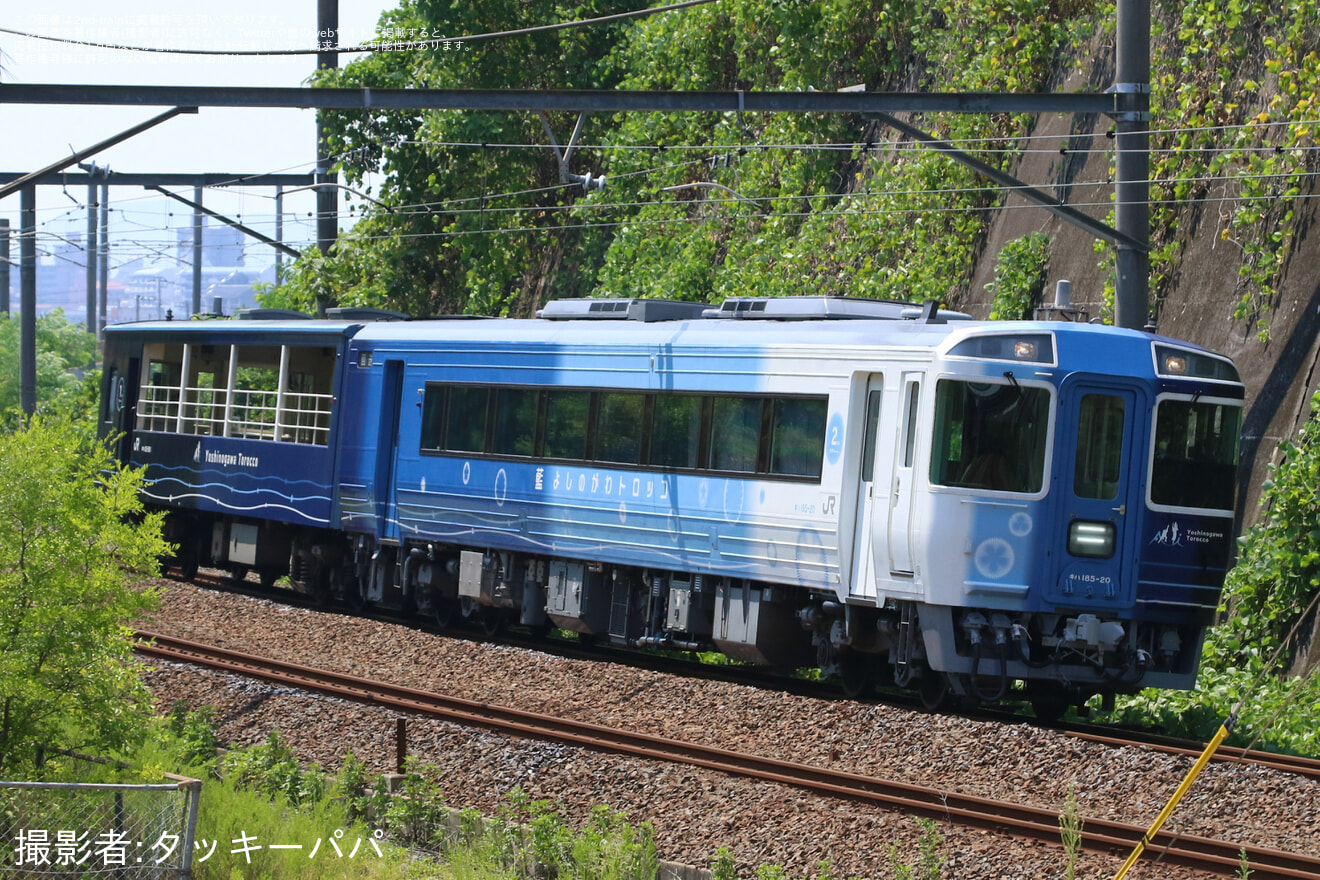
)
(291, 417)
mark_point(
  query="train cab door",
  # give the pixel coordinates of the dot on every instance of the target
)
(901, 495)
(387, 452)
(863, 584)
(1101, 483)
(121, 392)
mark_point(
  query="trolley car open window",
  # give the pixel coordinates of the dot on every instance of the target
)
(989, 435)
(255, 392)
(1196, 450)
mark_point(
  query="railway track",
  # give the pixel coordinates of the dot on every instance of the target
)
(1213, 856)
(758, 677)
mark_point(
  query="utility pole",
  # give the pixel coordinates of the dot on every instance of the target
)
(197, 252)
(4, 266)
(90, 250)
(327, 197)
(1132, 164)
(27, 280)
(103, 264)
(279, 231)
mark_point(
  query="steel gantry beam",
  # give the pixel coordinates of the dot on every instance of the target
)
(603, 101)
(1127, 103)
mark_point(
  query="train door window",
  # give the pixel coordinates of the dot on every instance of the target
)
(515, 421)
(910, 433)
(619, 430)
(797, 436)
(108, 398)
(735, 434)
(989, 435)
(676, 431)
(872, 427)
(567, 415)
(465, 419)
(1099, 447)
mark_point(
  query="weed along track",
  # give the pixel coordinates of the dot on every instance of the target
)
(1033, 823)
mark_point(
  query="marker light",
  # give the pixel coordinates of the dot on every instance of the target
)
(1024, 349)
(1093, 539)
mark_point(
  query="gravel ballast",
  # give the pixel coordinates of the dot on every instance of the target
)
(696, 811)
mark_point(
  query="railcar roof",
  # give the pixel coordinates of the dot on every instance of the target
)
(192, 330)
(715, 331)
(703, 332)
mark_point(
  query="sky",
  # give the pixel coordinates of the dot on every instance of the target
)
(229, 141)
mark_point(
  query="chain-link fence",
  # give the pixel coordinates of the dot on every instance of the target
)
(98, 830)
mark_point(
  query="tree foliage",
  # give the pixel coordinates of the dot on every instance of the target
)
(64, 355)
(481, 222)
(72, 535)
(476, 225)
(1019, 277)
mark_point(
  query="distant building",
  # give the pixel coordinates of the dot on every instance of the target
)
(144, 289)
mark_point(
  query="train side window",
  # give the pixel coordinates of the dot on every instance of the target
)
(433, 417)
(735, 434)
(676, 431)
(465, 419)
(567, 416)
(1099, 447)
(515, 421)
(619, 427)
(797, 436)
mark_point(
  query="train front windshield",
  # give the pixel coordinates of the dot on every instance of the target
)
(1196, 452)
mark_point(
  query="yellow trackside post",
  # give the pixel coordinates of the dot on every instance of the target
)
(1220, 735)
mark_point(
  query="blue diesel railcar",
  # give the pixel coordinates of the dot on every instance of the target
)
(872, 488)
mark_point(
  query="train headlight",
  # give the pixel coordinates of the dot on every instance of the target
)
(1175, 364)
(1183, 364)
(1092, 539)
(1024, 349)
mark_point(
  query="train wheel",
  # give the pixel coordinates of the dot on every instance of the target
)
(238, 572)
(1049, 701)
(188, 566)
(855, 673)
(268, 577)
(492, 622)
(444, 612)
(933, 689)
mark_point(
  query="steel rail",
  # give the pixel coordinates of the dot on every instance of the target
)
(1309, 767)
(1097, 733)
(1032, 822)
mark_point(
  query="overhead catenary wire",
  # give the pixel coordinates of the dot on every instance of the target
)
(402, 45)
(851, 212)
